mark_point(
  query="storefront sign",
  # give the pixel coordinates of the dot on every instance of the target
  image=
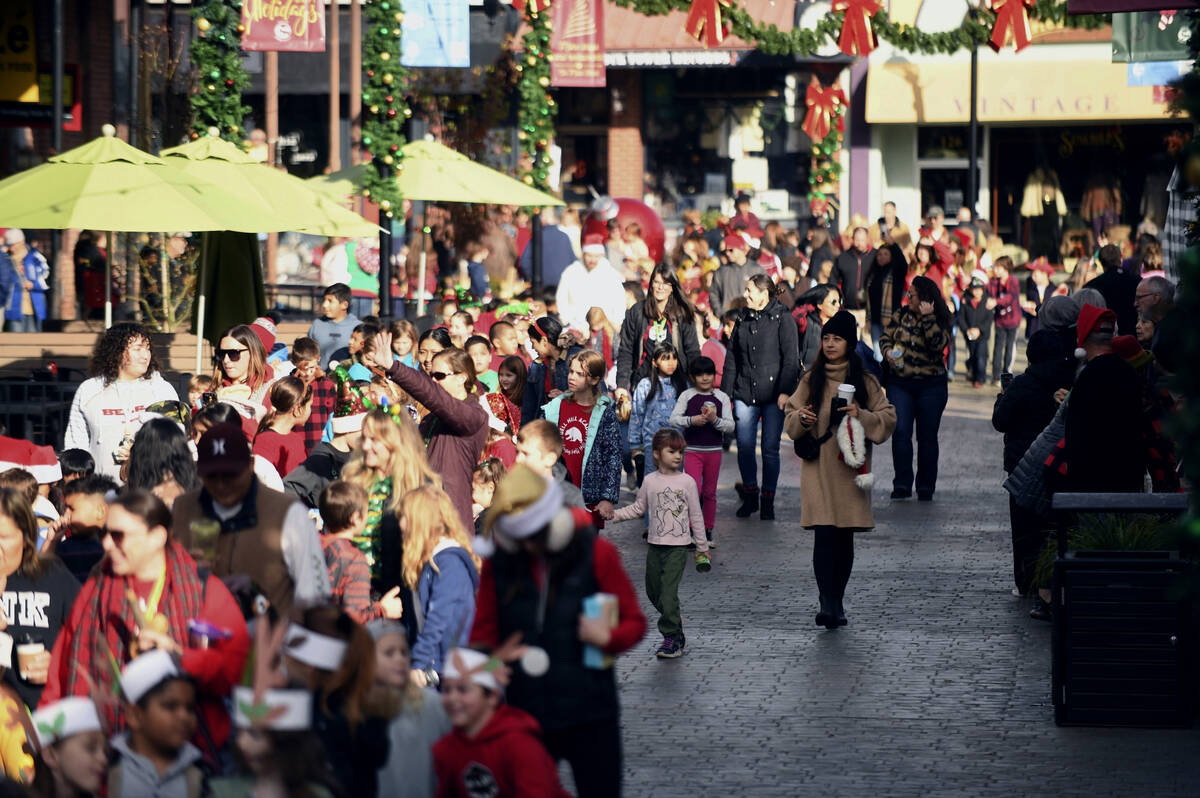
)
(1018, 90)
(437, 34)
(577, 43)
(290, 26)
(666, 58)
(18, 56)
(1151, 36)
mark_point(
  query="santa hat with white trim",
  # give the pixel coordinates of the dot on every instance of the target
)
(41, 461)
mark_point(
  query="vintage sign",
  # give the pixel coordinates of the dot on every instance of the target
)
(289, 26)
(577, 43)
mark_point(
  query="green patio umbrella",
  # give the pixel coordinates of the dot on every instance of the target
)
(435, 173)
(230, 264)
(109, 185)
(293, 201)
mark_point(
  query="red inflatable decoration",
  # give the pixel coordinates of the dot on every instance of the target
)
(626, 210)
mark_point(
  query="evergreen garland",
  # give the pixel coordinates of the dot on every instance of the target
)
(537, 111)
(826, 168)
(219, 77)
(385, 108)
(974, 30)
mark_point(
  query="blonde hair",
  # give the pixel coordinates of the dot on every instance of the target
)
(430, 516)
(592, 363)
(596, 317)
(408, 466)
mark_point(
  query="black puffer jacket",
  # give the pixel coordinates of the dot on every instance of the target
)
(632, 361)
(763, 359)
(1024, 410)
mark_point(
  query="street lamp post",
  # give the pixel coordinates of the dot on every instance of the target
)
(973, 147)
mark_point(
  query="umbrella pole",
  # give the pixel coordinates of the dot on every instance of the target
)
(107, 283)
(200, 298)
(421, 271)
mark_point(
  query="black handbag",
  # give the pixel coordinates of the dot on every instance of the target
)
(808, 447)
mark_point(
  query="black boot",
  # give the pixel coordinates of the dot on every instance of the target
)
(827, 617)
(767, 506)
(839, 613)
(749, 498)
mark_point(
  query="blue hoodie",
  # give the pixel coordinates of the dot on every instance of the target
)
(445, 605)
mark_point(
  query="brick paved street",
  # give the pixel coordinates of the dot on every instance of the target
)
(940, 685)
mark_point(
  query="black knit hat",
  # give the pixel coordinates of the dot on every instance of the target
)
(842, 325)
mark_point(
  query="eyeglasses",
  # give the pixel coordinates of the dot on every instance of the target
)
(1140, 297)
(234, 355)
(438, 376)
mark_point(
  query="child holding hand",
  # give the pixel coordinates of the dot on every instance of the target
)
(675, 521)
(343, 508)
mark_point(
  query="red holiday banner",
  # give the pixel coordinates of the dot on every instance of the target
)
(577, 43)
(291, 26)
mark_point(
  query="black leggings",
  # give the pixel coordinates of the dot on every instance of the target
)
(833, 559)
(594, 752)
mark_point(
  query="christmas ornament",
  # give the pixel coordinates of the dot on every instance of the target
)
(704, 22)
(1011, 15)
(203, 25)
(858, 37)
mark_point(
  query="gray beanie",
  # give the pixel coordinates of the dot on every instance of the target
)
(1089, 296)
(1059, 313)
(382, 627)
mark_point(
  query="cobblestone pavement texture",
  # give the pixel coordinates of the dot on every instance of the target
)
(940, 685)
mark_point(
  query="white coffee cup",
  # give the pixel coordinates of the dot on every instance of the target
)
(846, 392)
(6, 650)
(25, 651)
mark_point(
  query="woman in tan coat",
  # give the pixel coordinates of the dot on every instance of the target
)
(835, 488)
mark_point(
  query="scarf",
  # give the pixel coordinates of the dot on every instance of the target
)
(378, 499)
(602, 342)
(101, 643)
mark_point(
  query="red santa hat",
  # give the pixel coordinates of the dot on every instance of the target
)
(736, 241)
(37, 460)
(264, 328)
(593, 244)
(1090, 319)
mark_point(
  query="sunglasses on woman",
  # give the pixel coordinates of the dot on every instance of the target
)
(438, 376)
(234, 355)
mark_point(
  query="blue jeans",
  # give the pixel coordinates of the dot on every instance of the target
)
(748, 417)
(1002, 353)
(23, 324)
(919, 403)
(362, 306)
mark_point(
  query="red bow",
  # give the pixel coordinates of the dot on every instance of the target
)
(1014, 15)
(823, 106)
(535, 6)
(704, 21)
(858, 37)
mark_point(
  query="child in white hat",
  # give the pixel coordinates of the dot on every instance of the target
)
(154, 755)
(72, 748)
(494, 749)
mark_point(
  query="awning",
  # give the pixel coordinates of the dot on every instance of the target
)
(1012, 90)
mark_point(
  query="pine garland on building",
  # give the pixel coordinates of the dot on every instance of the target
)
(537, 111)
(826, 170)
(385, 107)
(219, 77)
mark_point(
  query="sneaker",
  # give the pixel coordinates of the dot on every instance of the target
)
(682, 641)
(899, 494)
(1041, 610)
(1016, 593)
(712, 543)
(670, 649)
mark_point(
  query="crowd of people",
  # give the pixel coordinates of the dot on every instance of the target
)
(372, 560)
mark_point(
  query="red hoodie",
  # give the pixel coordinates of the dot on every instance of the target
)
(506, 759)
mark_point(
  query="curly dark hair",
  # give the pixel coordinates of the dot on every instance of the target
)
(110, 351)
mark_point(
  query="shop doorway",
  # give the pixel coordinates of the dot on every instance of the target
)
(584, 163)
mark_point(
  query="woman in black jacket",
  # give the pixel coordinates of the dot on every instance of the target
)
(762, 368)
(816, 306)
(665, 315)
(1021, 412)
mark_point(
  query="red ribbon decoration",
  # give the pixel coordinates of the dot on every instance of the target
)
(704, 22)
(822, 110)
(535, 6)
(1011, 15)
(858, 37)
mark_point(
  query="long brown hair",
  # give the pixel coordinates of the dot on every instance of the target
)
(431, 516)
(516, 366)
(287, 394)
(16, 507)
(462, 363)
(352, 681)
(256, 373)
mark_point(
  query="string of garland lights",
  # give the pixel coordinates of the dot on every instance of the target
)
(825, 125)
(220, 78)
(537, 111)
(385, 105)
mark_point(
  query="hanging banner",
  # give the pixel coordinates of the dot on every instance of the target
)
(1150, 36)
(437, 33)
(18, 56)
(1113, 6)
(577, 43)
(286, 26)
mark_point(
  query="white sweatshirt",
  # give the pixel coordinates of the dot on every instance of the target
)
(102, 415)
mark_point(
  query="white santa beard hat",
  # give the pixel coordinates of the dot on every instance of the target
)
(340, 425)
(146, 672)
